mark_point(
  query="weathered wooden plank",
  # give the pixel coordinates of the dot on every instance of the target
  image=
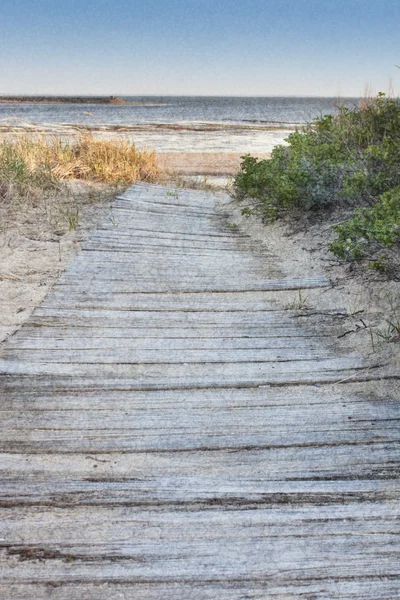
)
(174, 249)
(187, 438)
(133, 545)
(36, 329)
(56, 341)
(19, 394)
(196, 283)
(135, 235)
(169, 222)
(127, 234)
(93, 383)
(335, 589)
(170, 317)
(302, 475)
(95, 295)
(275, 420)
(183, 430)
(164, 375)
(118, 355)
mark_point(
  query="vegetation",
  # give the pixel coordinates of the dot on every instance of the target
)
(350, 160)
(34, 171)
(39, 162)
(54, 181)
(372, 233)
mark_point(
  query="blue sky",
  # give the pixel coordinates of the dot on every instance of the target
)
(199, 47)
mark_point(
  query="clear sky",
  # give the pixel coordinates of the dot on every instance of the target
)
(199, 47)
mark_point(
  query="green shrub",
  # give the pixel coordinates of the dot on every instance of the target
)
(345, 160)
(371, 231)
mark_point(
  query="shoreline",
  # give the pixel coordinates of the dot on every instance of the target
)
(22, 126)
(168, 138)
(62, 100)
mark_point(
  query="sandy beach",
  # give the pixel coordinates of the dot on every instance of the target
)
(203, 163)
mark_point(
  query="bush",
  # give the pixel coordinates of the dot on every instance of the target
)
(345, 160)
(371, 232)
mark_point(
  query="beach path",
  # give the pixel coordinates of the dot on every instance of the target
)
(169, 431)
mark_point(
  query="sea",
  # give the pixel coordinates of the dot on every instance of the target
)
(180, 123)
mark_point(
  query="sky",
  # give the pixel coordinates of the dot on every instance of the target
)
(199, 47)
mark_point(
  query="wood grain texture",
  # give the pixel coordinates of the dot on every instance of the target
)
(169, 431)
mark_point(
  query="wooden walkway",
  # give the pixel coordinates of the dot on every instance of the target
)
(169, 431)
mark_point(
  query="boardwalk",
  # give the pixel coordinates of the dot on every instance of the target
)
(170, 432)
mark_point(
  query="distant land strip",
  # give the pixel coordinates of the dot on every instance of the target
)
(64, 99)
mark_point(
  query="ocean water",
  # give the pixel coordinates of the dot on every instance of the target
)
(165, 109)
(183, 124)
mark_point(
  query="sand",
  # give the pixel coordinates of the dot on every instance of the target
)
(203, 163)
(36, 244)
(359, 301)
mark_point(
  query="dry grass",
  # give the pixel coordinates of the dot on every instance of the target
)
(37, 171)
(30, 162)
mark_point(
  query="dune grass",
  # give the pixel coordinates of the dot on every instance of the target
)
(33, 163)
(53, 180)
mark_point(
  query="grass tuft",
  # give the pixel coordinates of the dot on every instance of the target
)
(36, 171)
(40, 162)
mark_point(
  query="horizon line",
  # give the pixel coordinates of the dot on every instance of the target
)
(154, 95)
